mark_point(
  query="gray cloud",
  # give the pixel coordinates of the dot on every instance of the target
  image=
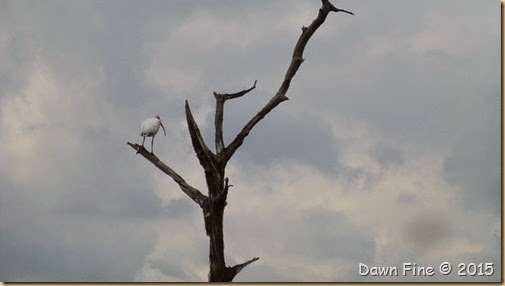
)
(400, 100)
(406, 198)
(474, 164)
(50, 249)
(288, 138)
(387, 156)
(328, 235)
(426, 231)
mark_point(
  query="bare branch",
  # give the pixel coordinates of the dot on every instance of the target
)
(206, 157)
(296, 61)
(335, 9)
(237, 268)
(239, 139)
(193, 193)
(208, 160)
(236, 94)
(218, 124)
(214, 165)
(218, 119)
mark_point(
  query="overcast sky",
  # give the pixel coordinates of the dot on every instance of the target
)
(388, 150)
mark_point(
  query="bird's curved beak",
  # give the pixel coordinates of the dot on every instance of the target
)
(163, 128)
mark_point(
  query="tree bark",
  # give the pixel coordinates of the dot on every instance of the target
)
(214, 164)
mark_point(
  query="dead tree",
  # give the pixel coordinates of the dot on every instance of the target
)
(214, 164)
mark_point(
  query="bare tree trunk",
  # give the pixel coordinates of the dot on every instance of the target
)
(214, 164)
(216, 252)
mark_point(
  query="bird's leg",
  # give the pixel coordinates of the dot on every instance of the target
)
(152, 140)
(143, 139)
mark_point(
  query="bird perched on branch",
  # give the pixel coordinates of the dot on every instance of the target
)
(149, 128)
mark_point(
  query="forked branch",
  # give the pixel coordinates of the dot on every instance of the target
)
(214, 165)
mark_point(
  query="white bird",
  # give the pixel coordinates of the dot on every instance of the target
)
(149, 128)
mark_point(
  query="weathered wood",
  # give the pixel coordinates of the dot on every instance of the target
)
(237, 268)
(192, 192)
(218, 119)
(214, 165)
(296, 61)
(203, 153)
